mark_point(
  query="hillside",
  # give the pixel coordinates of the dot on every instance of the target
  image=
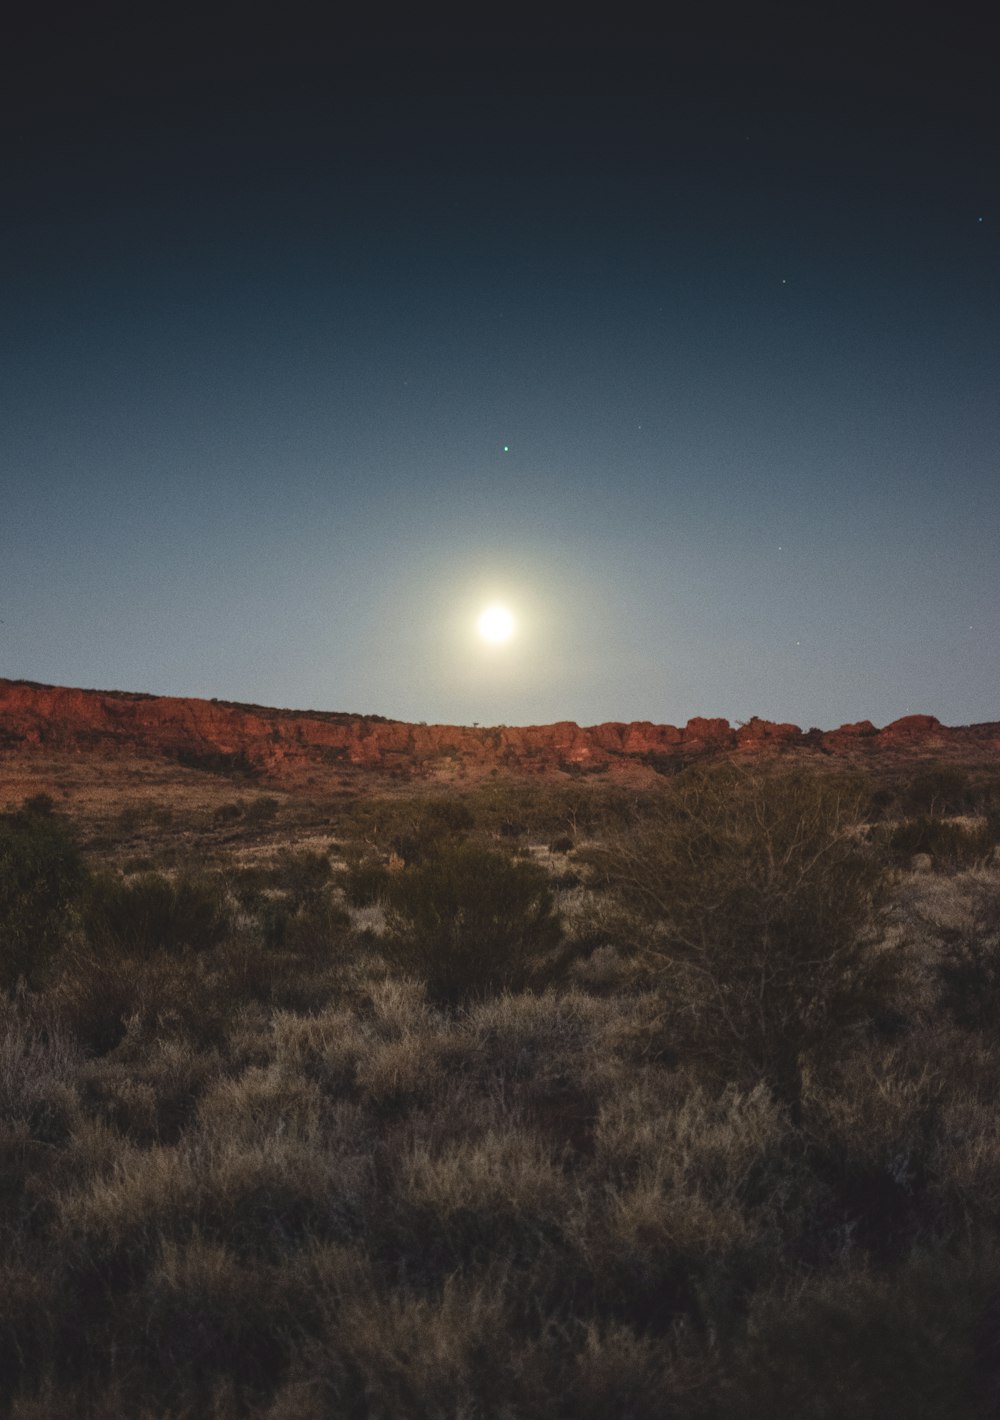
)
(292, 749)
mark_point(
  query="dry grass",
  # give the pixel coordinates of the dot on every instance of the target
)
(279, 1181)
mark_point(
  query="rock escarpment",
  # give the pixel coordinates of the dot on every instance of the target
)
(299, 747)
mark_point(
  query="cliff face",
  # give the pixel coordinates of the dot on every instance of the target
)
(295, 747)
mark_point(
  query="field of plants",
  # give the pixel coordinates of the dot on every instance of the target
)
(528, 1103)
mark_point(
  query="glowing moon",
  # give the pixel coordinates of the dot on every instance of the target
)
(496, 624)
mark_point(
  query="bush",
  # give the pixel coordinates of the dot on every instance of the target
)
(860, 1343)
(472, 922)
(949, 845)
(366, 883)
(138, 865)
(234, 765)
(151, 914)
(312, 931)
(97, 995)
(938, 791)
(969, 967)
(303, 874)
(41, 876)
(227, 813)
(764, 900)
(261, 810)
(427, 824)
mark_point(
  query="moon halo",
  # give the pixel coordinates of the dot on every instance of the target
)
(496, 624)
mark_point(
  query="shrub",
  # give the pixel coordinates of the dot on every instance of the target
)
(968, 970)
(261, 810)
(38, 1066)
(428, 824)
(366, 883)
(861, 1343)
(412, 826)
(206, 1312)
(950, 845)
(138, 865)
(303, 874)
(96, 996)
(151, 914)
(248, 884)
(234, 765)
(41, 876)
(765, 903)
(471, 922)
(937, 791)
(504, 1189)
(405, 1354)
(103, 995)
(273, 915)
(314, 930)
(227, 813)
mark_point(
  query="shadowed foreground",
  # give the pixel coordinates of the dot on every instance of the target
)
(687, 1111)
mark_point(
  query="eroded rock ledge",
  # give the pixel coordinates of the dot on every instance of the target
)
(294, 745)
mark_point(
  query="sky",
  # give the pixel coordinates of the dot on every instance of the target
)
(685, 349)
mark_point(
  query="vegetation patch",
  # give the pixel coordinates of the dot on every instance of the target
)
(709, 1130)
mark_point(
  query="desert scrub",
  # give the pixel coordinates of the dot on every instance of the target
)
(98, 992)
(401, 1353)
(261, 810)
(968, 969)
(152, 913)
(470, 922)
(149, 1092)
(769, 945)
(249, 1184)
(428, 825)
(859, 1342)
(523, 1035)
(41, 878)
(405, 829)
(955, 922)
(704, 1197)
(365, 883)
(951, 846)
(303, 874)
(315, 931)
(456, 1206)
(938, 791)
(101, 994)
(296, 1186)
(206, 1310)
(39, 1065)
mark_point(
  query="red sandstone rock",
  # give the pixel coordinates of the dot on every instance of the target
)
(756, 733)
(698, 732)
(288, 746)
(859, 729)
(911, 726)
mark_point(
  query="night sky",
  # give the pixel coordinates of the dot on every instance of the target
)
(684, 349)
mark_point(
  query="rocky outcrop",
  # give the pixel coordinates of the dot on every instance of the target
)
(295, 747)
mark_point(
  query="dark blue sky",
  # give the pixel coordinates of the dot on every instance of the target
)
(733, 311)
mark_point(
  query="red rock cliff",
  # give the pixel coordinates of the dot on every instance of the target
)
(293, 746)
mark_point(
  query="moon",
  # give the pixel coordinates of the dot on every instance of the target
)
(496, 624)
